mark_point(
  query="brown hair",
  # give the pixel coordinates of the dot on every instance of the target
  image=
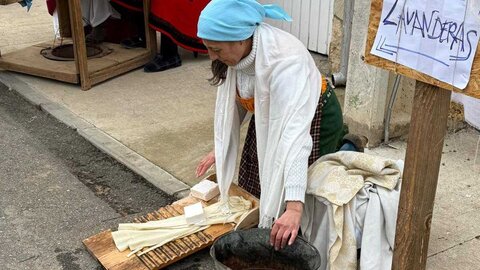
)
(219, 71)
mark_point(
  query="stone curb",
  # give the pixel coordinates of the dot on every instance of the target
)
(31, 95)
(112, 147)
(65, 116)
(134, 161)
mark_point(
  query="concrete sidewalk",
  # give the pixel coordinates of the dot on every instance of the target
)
(152, 114)
(161, 124)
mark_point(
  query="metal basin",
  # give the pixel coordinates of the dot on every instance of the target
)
(65, 52)
(251, 250)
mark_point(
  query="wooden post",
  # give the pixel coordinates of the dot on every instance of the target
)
(79, 45)
(150, 34)
(64, 19)
(422, 164)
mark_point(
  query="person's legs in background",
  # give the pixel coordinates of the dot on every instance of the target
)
(177, 21)
(167, 58)
(136, 18)
(353, 142)
(94, 14)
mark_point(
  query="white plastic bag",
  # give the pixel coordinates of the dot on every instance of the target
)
(472, 108)
(472, 111)
(56, 24)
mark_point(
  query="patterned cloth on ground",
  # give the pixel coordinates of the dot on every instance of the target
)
(352, 200)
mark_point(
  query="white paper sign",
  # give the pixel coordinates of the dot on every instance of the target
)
(436, 37)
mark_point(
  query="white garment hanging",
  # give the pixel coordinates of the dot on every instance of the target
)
(95, 12)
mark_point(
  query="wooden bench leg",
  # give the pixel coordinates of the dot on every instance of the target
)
(150, 34)
(80, 47)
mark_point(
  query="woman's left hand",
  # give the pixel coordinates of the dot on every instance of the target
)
(285, 229)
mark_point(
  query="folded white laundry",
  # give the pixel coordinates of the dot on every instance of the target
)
(351, 202)
(154, 234)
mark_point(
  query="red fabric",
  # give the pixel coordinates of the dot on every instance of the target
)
(133, 5)
(178, 19)
(51, 5)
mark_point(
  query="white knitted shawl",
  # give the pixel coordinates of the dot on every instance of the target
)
(287, 90)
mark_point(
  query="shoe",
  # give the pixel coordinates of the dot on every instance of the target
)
(97, 35)
(358, 141)
(134, 42)
(161, 63)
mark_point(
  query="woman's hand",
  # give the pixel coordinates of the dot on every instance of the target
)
(285, 229)
(205, 164)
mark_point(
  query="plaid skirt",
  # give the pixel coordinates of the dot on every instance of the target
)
(327, 131)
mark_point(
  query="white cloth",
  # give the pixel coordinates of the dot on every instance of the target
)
(352, 200)
(153, 234)
(95, 12)
(286, 96)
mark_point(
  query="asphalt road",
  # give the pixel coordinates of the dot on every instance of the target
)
(56, 189)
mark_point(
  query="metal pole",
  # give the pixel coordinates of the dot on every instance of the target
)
(388, 117)
(340, 78)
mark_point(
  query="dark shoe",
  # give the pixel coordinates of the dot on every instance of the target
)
(97, 35)
(358, 141)
(134, 42)
(161, 63)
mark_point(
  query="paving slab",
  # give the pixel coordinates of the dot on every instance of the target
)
(457, 203)
(20, 29)
(463, 256)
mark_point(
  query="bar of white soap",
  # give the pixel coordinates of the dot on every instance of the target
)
(194, 213)
(205, 190)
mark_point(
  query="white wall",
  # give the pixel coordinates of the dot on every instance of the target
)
(312, 21)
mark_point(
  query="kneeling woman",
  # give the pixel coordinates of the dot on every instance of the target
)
(296, 115)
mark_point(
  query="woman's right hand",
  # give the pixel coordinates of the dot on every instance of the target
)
(206, 163)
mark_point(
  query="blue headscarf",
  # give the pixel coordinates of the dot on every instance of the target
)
(235, 20)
